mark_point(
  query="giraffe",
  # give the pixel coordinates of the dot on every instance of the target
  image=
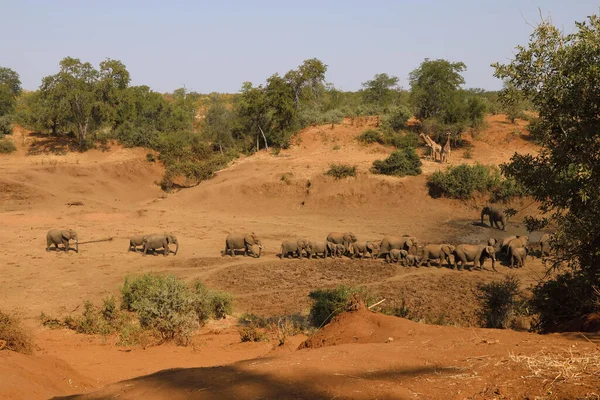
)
(435, 148)
(445, 155)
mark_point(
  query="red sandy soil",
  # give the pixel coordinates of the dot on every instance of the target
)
(120, 197)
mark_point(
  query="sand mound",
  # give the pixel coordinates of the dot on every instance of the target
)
(38, 377)
(361, 326)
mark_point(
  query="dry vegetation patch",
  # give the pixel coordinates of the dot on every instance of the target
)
(13, 336)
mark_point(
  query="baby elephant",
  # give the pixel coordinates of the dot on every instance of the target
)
(61, 236)
(518, 257)
(396, 255)
(135, 241)
(340, 250)
(411, 261)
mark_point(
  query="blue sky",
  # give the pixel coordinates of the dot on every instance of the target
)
(216, 45)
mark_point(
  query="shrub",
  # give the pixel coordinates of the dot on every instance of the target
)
(339, 171)
(401, 141)
(398, 310)
(370, 136)
(163, 304)
(17, 338)
(462, 181)
(468, 153)
(396, 119)
(400, 163)
(150, 157)
(499, 302)
(7, 146)
(561, 299)
(252, 333)
(327, 303)
(5, 125)
(210, 303)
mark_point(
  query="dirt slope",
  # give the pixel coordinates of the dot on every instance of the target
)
(363, 355)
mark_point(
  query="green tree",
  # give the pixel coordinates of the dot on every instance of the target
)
(10, 88)
(380, 90)
(218, 122)
(280, 99)
(559, 73)
(308, 77)
(435, 87)
(253, 111)
(512, 101)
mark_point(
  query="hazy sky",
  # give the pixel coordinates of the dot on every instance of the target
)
(216, 45)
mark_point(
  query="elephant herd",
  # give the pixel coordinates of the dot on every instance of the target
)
(395, 249)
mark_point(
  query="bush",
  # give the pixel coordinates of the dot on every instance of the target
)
(210, 303)
(166, 305)
(402, 141)
(163, 304)
(561, 299)
(499, 302)
(339, 171)
(7, 146)
(5, 125)
(396, 119)
(252, 333)
(506, 190)
(150, 157)
(327, 303)
(462, 181)
(400, 163)
(17, 338)
(370, 136)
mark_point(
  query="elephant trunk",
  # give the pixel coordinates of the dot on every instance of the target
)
(482, 215)
(77, 246)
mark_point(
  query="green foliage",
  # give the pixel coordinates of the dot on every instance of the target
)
(251, 333)
(17, 338)
(462, 181)
(380, 90)
(340, 171)
(558, 73)
(5, 126)
(167, 306)
(218, 123)
(370, 136)
(402, 140)
(396, 119)
(7, 146)
(400, 163)
(7, 100)
(11, 80)
(499, 302)
(210, 303)
(327, 303)
(561, 299)
(434, 87)
(513, 102)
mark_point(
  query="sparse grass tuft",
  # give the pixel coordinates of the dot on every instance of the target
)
(7, 146)
(568, 366)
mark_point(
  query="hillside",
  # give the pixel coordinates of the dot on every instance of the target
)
(119, 197)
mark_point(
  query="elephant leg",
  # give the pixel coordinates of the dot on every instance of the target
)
(146, 248)
(66, 244)
(166, 249)
(442, 259)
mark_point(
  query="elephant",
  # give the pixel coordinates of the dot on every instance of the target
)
(135, 241)
(408, 243)
(346, 238)
(517, 243)
(396, 255)
(317, 248)
(495, 215)
(294, 246)
(363, 248)
(61, 236)
(505, 242)
(545, 244)
(519, 256)
(237, 241)
(160, 241)
(476, 253)
(411, 260)
(340, 250)
(436, 252)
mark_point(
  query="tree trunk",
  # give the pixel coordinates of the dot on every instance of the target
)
(257, 137)
(264, 138)
(82, 135)
(220, 145)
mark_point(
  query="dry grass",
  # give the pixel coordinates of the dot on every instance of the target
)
(13, 336)
(566, 366)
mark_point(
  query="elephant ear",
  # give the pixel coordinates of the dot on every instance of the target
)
(66, 235)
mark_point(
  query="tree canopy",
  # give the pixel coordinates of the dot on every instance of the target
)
(380, 90)
(561, 75)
